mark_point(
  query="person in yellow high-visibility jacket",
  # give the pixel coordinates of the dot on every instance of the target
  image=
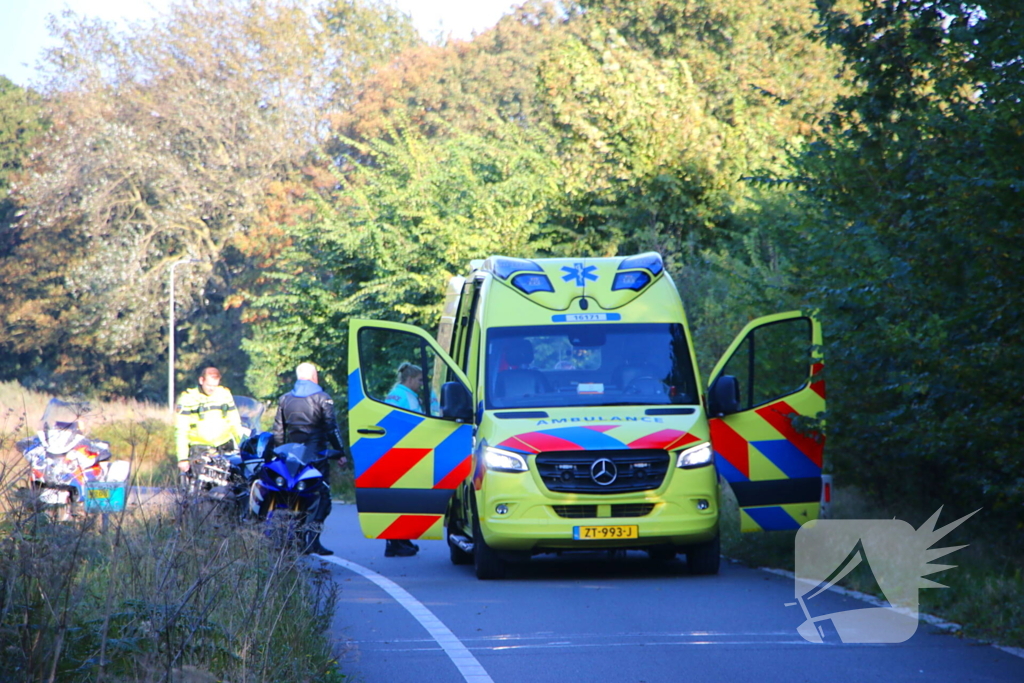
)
(206, 416)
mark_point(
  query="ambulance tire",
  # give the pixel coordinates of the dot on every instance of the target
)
(486, 562)
(702, 559)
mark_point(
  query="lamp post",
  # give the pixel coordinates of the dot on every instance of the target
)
(170, 335)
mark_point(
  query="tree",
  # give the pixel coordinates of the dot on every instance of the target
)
(916, 250)
(407, 215)
(165, 142)
(21, 124)
(460, 86)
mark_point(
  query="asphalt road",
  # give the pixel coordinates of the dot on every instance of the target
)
(585, 617)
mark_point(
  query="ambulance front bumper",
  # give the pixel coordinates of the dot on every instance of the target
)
(518, 514)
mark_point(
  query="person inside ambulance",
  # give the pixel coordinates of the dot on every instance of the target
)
(639, 376)
(408, 389)
(406, 394)
(206, 417)
(517, 378)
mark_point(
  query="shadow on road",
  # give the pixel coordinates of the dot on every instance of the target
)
(577, 565)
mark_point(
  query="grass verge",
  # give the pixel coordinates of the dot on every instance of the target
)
(985, 593)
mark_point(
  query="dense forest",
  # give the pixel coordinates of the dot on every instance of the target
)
(321, 161)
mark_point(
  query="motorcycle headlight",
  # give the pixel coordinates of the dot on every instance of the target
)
(697, 456)
(500, 460)
(301, 486)
(279, 481)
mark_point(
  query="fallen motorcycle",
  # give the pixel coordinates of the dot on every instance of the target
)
(64, 461)
(224, 474)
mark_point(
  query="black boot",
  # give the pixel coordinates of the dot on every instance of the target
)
(399, 549)
(313, 547)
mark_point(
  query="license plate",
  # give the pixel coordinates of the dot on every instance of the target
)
(601, 533)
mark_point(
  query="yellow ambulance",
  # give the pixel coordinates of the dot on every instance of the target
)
(560, 408)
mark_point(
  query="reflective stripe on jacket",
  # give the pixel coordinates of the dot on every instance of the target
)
(203, 420)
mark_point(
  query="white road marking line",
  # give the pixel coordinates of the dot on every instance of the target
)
(461, 657)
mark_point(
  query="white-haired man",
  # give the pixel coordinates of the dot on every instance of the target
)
(306, 415)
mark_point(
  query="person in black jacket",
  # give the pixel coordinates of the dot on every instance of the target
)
(306, 415)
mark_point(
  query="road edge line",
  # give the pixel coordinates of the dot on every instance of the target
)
(931, 619)
(472, 671)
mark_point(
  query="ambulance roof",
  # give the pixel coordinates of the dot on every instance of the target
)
(555, 283)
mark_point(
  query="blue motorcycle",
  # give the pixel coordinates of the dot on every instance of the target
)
(286, 492)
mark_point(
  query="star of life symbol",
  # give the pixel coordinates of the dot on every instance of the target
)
(580, 272)
(895, 553)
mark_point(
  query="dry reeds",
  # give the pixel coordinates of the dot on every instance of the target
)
(168, 593)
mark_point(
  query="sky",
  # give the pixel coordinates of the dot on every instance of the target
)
(23, 32)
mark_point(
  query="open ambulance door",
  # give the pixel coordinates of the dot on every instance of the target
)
(411, 445)
(763, 402)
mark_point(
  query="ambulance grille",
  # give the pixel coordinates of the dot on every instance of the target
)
(632, 510)
(613, 471)
(622, 510)
(575, 511)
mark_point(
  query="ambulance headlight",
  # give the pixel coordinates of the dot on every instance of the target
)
(697, 456)
(500, 460)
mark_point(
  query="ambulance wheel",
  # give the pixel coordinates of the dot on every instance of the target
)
(486, 562)
(702, 559)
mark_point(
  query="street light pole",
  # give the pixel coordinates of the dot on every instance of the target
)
(170, 335)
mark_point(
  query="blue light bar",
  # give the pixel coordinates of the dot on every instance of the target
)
(635, 280)
(528, 283)
(504, 267)
(651, 261)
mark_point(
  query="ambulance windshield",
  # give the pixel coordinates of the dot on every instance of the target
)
(553, 366)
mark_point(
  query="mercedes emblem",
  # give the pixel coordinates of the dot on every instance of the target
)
(604, 472)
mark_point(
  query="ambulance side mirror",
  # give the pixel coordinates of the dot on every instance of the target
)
(456, 403)
(724, 396)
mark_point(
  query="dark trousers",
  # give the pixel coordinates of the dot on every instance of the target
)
(323, 504)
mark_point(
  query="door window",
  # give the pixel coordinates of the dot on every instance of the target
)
(400, 369)
(773, 361)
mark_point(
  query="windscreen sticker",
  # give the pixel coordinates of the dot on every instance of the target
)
(585, 317)
(590, 388)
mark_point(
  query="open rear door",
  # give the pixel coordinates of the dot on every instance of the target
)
(768, 443)
(408, 458)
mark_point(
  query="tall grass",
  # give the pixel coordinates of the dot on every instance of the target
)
(985, 590)
(171, 591)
